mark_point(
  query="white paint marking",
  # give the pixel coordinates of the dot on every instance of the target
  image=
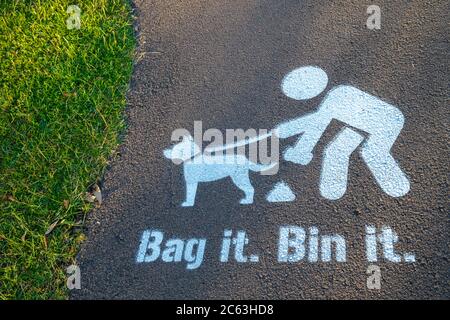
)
(333, 178)
(293, 246)
(355, 108)
(152, 244)
(304, 83)
(281, 193)
(358, 109)
(200, 167)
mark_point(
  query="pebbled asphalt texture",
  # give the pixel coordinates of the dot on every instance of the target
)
(222, 62)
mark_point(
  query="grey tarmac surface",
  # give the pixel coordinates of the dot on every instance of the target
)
(222, 62)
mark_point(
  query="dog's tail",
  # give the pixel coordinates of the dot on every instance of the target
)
(261, 167)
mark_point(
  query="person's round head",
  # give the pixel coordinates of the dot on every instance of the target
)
(304, 83)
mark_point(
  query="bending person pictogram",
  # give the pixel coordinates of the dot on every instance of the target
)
(380, 120)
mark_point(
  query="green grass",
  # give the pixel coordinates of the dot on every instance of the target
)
(62, 97)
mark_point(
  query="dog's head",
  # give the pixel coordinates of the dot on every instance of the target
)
(182, 151)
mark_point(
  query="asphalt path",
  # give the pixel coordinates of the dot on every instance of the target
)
(222, 62)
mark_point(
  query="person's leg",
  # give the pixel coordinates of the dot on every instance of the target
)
(389, 176)
(242, 181)
(334, 175)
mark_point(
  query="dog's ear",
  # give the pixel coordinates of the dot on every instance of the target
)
(167, 153)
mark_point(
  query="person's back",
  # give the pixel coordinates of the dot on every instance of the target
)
(361, 110)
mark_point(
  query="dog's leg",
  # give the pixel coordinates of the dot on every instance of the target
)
(191, 190)
(242, 181)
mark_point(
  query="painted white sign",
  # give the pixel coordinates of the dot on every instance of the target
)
(356, 109)
(295, 244)
(200, 167)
